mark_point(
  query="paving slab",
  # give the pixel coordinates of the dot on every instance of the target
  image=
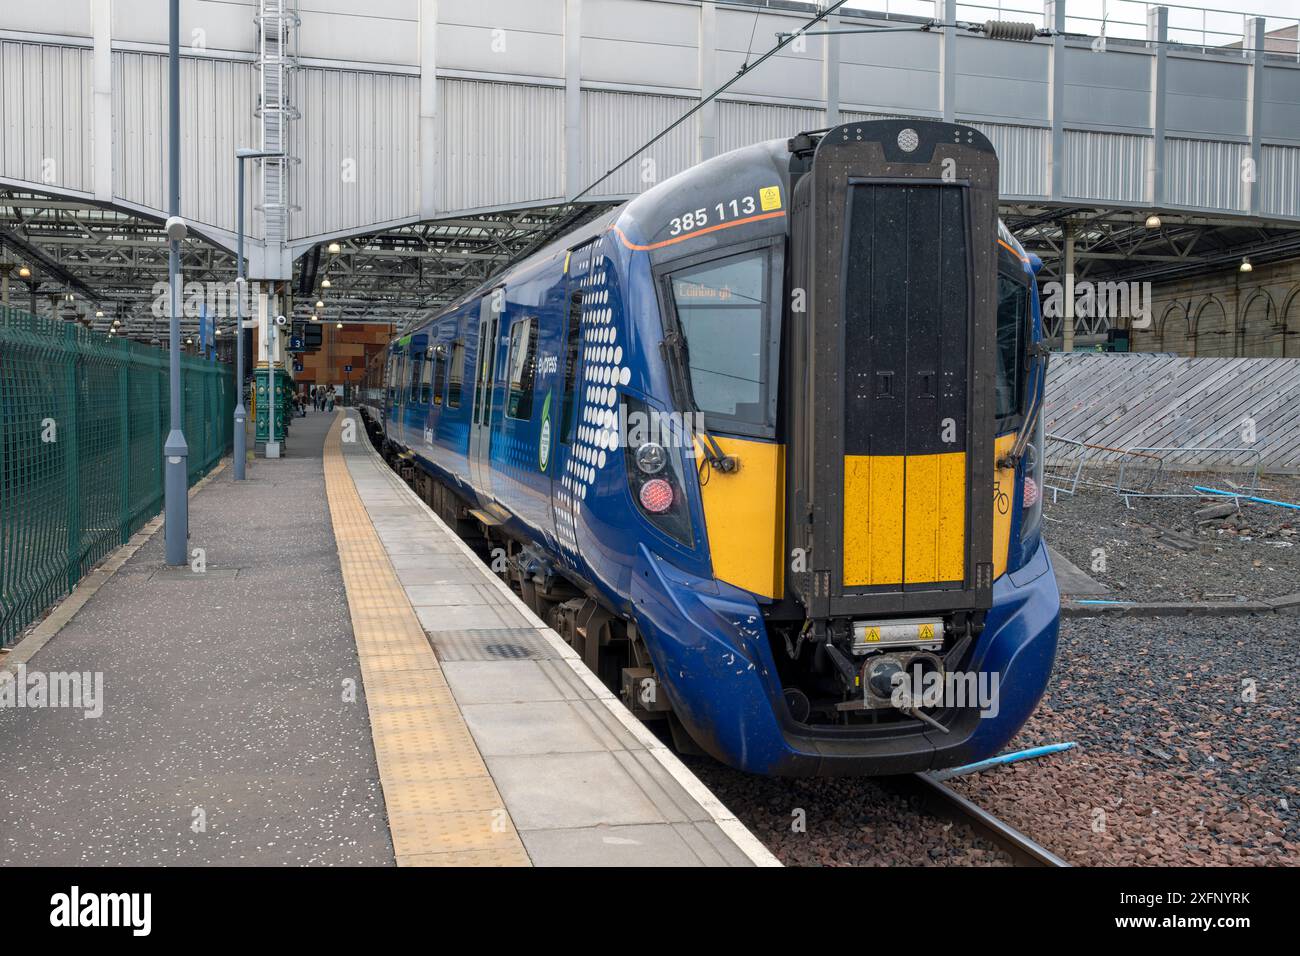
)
(513, 681)
(570, 790)
(610, 846)
(1071, 579)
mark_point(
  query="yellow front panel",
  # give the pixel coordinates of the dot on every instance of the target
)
(1004, 496)
(744, 513)
(935, 529)
(873, 519)
(921, 521)
(951, 565)
(904, 519)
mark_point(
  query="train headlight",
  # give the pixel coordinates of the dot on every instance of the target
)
(651, 458)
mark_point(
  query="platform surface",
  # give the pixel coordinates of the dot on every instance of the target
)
(225, 737)
(583, 782)
(338, 680)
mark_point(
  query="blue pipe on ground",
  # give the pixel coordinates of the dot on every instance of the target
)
(1002, 759)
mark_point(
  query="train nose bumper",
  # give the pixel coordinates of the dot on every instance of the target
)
(713, 656)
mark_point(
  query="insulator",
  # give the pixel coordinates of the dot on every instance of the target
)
(1010, 30)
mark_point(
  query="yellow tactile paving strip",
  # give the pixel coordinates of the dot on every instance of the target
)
(443, 808)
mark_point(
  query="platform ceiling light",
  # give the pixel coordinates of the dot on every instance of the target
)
(1245, 264)
(325, 283)
(1153, 222)
(189, 341)
(99, 313)
(320, 304)
(339, 325)
(315, 318)
(116, 323)
(334, 248)
(216, 331)
(24, 272)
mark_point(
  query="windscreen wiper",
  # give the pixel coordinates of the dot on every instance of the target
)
(1038, 353)
(673, 350)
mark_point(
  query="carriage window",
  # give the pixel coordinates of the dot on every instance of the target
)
(439, 372)
(391, 378)
(457, 373)
(1013, 326)
(722, 309)
(399, 376)
(522, 364)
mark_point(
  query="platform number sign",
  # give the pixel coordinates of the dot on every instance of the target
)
(347, 370)
(297, 366)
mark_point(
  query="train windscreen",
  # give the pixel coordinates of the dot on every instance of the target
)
(725, 316)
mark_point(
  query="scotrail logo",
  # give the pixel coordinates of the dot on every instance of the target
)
(73, 690)
(76, 908)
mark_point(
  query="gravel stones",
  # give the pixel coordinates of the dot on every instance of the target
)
(1159, 550)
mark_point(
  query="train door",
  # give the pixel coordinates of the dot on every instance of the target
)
(480, 430)
(577, 273)
(396, 366)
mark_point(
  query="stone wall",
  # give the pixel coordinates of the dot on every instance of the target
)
(1227, 314)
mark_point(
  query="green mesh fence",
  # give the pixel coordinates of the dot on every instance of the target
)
(82, 424)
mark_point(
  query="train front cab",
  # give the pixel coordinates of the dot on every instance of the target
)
(907, 439)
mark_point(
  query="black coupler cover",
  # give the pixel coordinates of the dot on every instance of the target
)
(894, 245)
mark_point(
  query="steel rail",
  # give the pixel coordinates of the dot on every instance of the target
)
(941, 800)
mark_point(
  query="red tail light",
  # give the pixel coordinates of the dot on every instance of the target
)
(656, 496)
(1031, 492)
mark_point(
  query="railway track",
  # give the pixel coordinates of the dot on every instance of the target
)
(941, 800)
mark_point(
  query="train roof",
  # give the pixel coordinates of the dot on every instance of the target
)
(652, 221)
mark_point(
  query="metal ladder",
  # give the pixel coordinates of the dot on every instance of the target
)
(277, 23)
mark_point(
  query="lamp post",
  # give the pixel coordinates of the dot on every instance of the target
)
(241, 415)
(176, 451)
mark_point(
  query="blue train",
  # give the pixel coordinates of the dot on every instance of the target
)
(764, 445)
